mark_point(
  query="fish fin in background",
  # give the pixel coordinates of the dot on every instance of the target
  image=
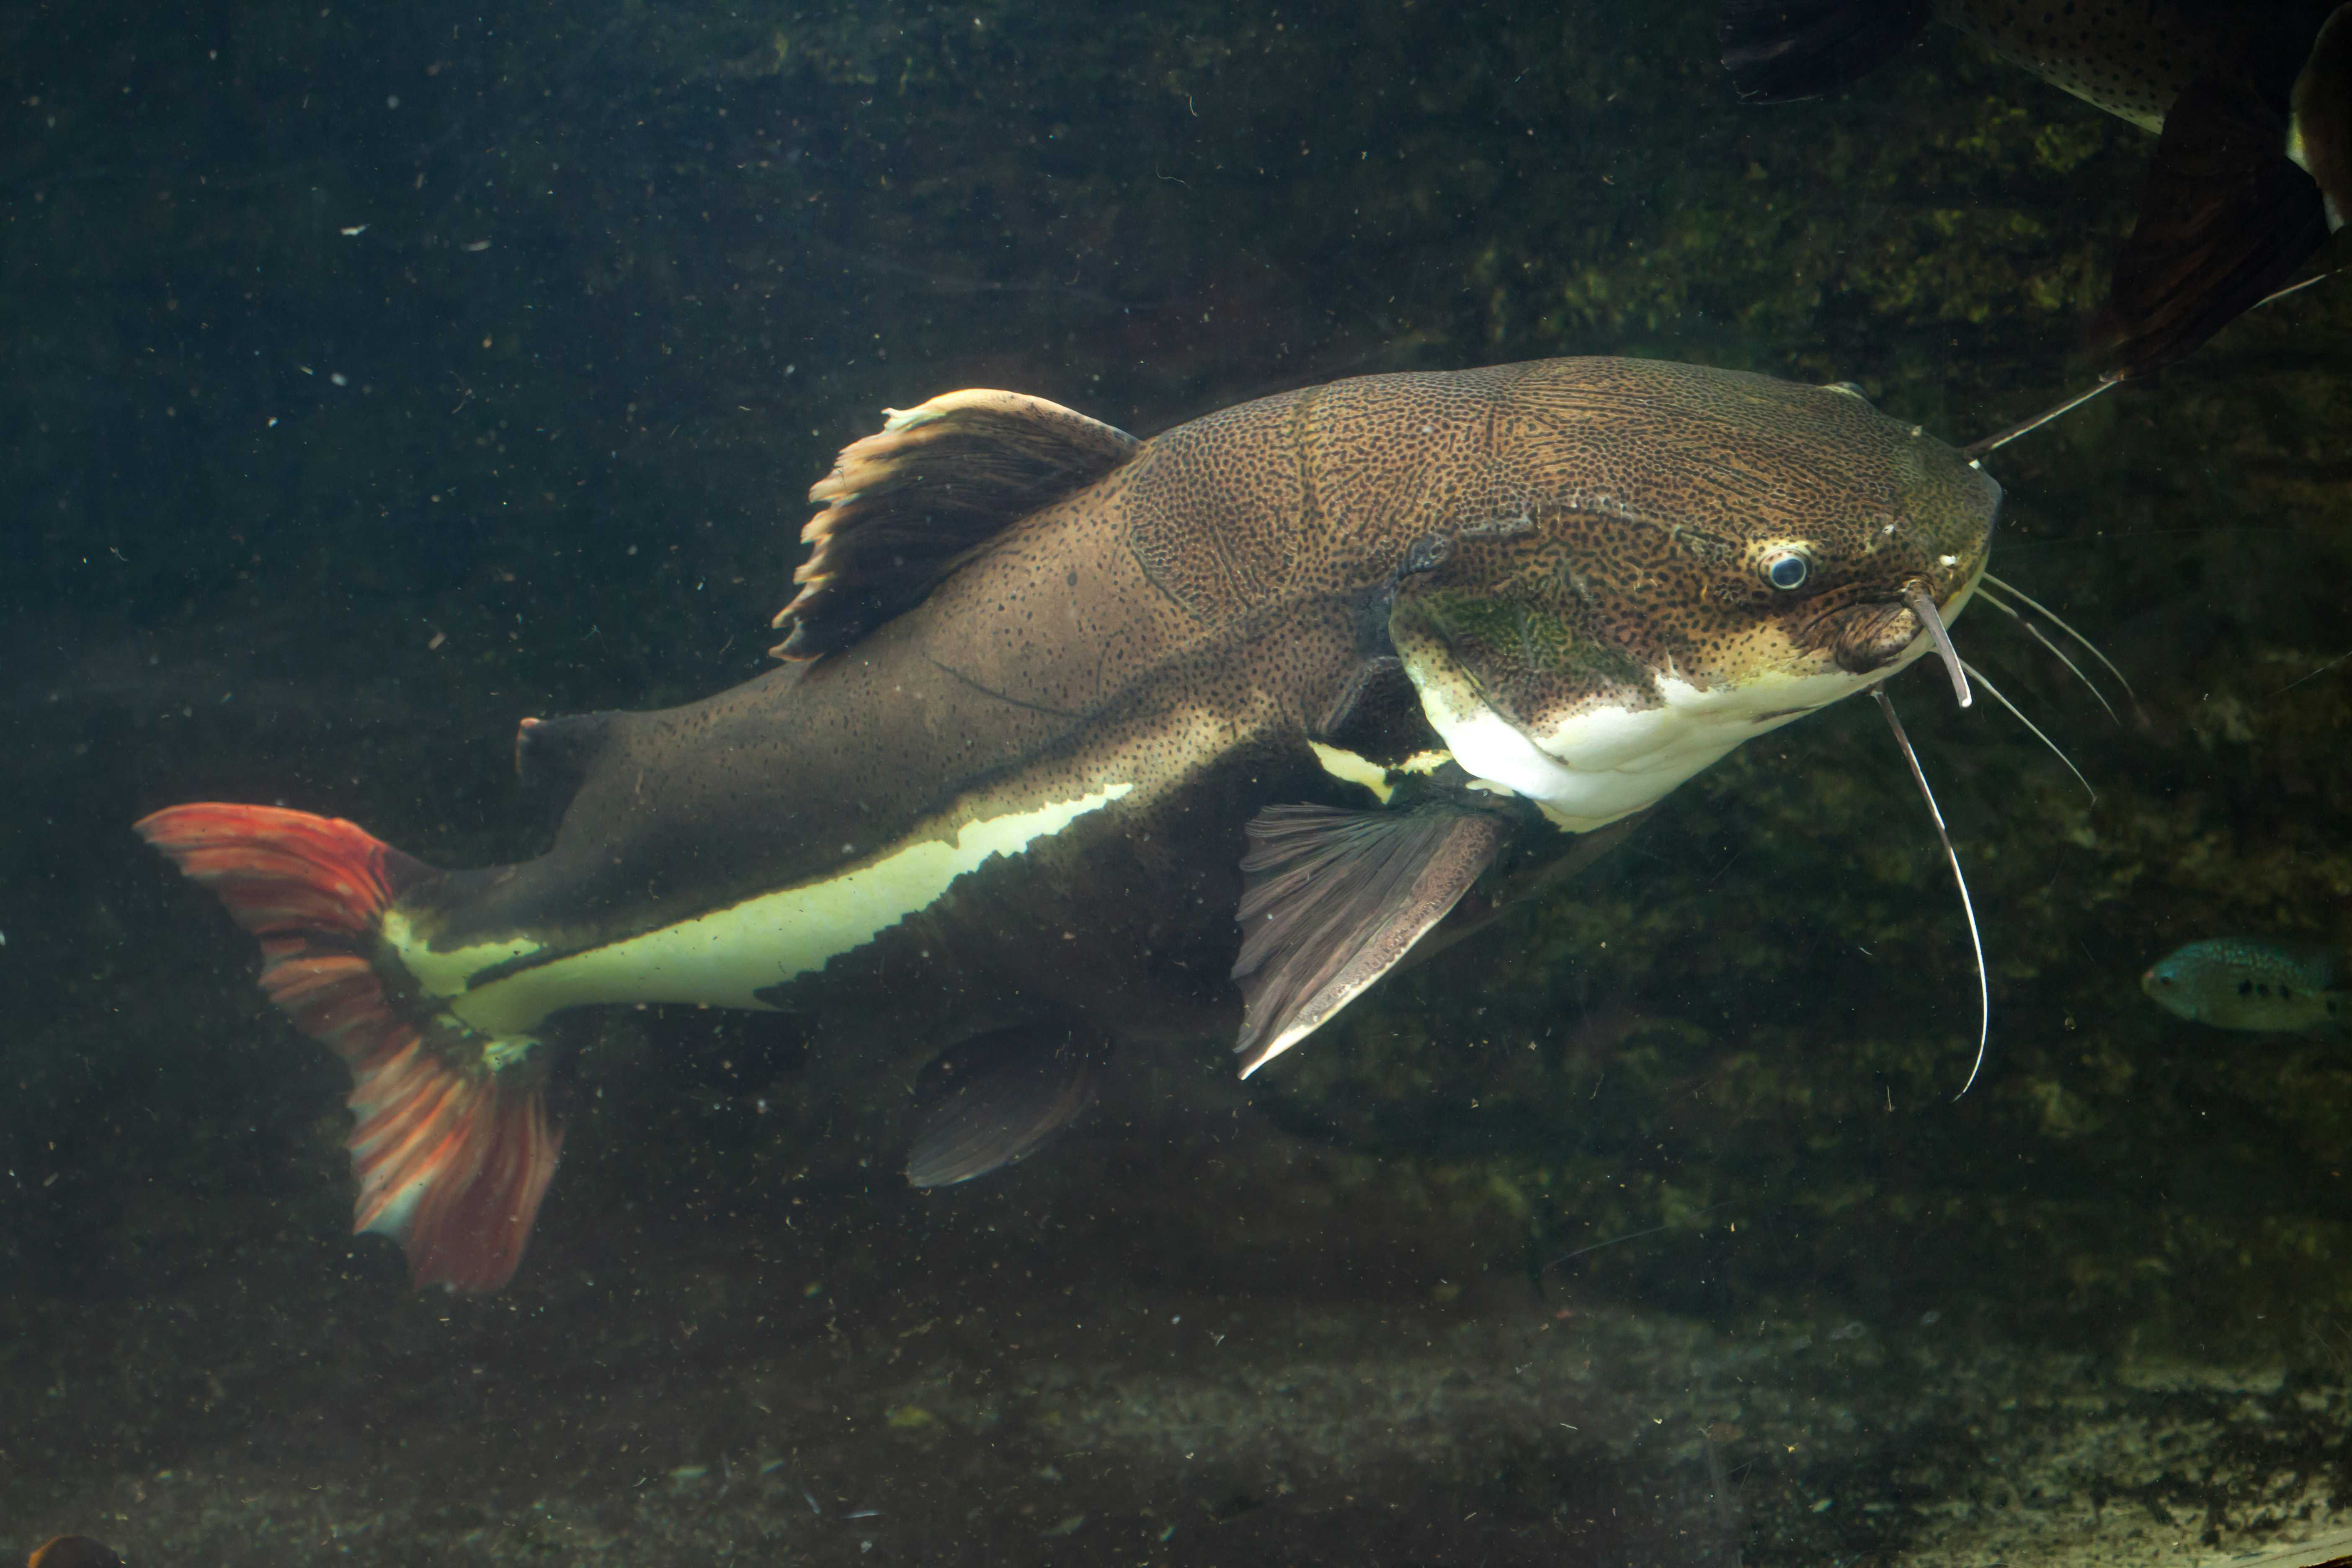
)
(1332, 899)
(1781, 50)
(453, 1144)
(2225, 218)
(2319, 117)
(996, 1098)
(902, 507)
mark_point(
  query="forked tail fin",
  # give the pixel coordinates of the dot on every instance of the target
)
(453, 1144)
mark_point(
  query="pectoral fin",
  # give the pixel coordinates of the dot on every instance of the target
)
(991, 1100)
(1331, 899)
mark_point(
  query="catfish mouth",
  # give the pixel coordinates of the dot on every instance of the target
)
(1871, 637)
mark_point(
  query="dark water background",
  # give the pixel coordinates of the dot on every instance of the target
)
(374, 377)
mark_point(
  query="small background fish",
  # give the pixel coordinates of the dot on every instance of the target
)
(2239, 983)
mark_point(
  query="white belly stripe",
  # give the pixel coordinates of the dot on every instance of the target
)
(726, 957)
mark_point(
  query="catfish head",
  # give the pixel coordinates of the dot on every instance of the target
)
(1694, 557)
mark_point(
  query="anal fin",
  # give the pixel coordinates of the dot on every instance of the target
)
(2225, 218)
(986, 1101)
(1332, 899)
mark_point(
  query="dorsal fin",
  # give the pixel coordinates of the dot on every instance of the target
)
(902, 507)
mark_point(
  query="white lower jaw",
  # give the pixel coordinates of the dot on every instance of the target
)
(1604, 765)
(1608, 764)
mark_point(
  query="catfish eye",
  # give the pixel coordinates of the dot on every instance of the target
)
(1787, 570)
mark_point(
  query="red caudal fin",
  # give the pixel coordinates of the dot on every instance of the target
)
(451, 1163)
(453, 1145)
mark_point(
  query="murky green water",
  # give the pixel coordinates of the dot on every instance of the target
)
(373, 379)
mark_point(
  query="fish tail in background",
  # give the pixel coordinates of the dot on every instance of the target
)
(2225, 218)
(72, 1551)
(453, 1144)
(1781, 50)
(2319, 125)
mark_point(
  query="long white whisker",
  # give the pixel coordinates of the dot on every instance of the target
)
(2029, 601)
(2290, 289)
(1924, 608)
(1976, 451)
(2056, 652)
(1968, 906)
(2312, 675)
(2030, 724)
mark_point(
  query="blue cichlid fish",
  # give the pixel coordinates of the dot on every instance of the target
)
(2239, 983)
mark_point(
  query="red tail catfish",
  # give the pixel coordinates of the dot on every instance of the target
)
(1105, 738)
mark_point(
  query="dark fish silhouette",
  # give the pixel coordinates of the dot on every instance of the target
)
(72, 1551)
(1066, 706)
(2253, 99)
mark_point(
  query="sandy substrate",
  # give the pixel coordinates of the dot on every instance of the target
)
(1092, 1359)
